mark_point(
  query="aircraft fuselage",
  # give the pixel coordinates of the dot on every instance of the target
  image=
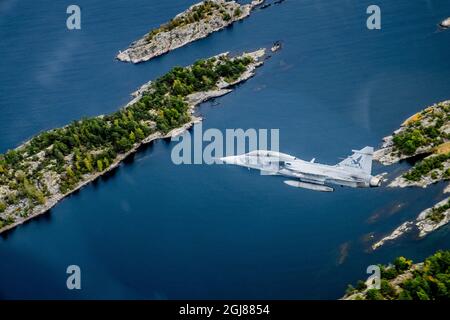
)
(308, 174)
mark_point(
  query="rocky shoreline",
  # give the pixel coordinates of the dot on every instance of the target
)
(402, 229)
(389, 153)
(430, 130)
(425, 181)
(425, 223)
(187, 27)
(193, 100)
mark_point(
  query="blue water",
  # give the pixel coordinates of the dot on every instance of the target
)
(155, 230)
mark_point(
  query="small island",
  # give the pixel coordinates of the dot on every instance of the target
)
(197, 22)
(445, 23)
(427, 135)
(35, 176)
(404, 280)
(426, 222)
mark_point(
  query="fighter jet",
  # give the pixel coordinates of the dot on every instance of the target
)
(355, 171)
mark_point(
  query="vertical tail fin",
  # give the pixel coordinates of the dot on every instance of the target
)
(360, 159)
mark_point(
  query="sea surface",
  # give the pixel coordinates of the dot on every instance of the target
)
(155, 230)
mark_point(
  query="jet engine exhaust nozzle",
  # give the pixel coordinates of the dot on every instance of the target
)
(375, 182)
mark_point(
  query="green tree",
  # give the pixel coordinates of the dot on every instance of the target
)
(442, 292)
(404, 295)
(69, 172)
(132, 137)
(422, 295)
(387, 290)
(106, 162)
(350, 290)
(388, 273)
(99, 165)
(12, 157)
(33, 192)
(2, 206)
(140, 134)
(402, 264)
(374, 294)
(20, 176)
(408, 141)
(361, 285)
(226, 17)
(179, 88)
(123, 144)
(88, 164)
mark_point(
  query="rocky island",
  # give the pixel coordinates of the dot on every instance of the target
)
(39, 173)
(404, 280)
(197, 22)
(425, 134)
(427, 221)
(445, 24)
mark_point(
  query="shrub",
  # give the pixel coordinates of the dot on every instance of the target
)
(361, 285)
(374, 294)
(2, 206)
(402, 264)
(408, 141)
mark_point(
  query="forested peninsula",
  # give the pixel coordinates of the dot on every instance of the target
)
(55, 163)
(197, 22)
(404, 280)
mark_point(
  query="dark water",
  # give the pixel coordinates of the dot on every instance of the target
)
(159, 231)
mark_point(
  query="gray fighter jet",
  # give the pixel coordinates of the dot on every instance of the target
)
(354, 171)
